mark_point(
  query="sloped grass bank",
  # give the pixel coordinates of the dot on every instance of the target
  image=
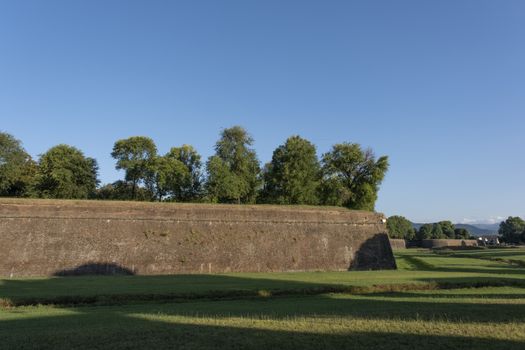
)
(418, 270)
(515, 256)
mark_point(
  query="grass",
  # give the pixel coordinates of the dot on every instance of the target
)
(139, 204)
(508, 255)
(261, 311)
(418, 269)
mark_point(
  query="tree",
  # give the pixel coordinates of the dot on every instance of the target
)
(447, 228)
(292, 177)
(17, 169)
(461, 233)
(437, 231)
(512, 229)
(121, 190)
(170, 178)
(191, 188)
(222, 184)
(64, 172)
(351, 176)
(424, 232)
(400, 227)
(233, 172)
(136, 156)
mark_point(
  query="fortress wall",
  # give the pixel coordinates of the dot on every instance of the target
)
(44, 237)
(439, 243)
(397, 243)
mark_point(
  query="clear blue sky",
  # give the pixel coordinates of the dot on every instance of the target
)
(438, 86)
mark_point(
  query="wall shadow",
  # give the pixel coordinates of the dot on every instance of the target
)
(374, 254)
(95, 269)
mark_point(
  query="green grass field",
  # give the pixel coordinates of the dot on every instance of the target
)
(511, 255)
(433, 301)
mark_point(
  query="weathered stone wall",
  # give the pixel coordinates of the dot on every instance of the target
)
(439, 243)
(41, 237)
(397, 243)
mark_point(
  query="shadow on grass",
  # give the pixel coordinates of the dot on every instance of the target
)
(417, 262)
(107, 290)
(467, 296)
(488, 254)
(369, 307)
(173, 326)
(121, 289)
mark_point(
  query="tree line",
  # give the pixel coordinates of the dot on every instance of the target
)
(347, 175)
(401, 227)
(511, 231)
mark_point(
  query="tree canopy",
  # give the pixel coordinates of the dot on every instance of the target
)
(400, 227)
(136, 156)
(64, 172)
(346, 176)
(512, 230)
(447, 229)
(424, 232)
(441, 230)
(351, 176)
(292, 177)
(17, 169)
(233, 172)
(189, 188)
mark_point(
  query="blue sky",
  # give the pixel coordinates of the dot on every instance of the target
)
(438, 86)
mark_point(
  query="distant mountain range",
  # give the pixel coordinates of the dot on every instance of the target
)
(480, 229)
(474, 229)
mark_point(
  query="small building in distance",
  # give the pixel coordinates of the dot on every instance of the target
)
(488, 240)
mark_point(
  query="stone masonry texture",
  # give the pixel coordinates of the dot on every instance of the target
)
(53, 237)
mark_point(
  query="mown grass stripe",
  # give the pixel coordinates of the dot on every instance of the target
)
(117, 299)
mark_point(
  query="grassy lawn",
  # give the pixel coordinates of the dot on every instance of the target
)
(504, 254)
(415, 268)
(247, 311)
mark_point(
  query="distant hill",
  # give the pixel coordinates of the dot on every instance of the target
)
(475, 230)
(491, 227)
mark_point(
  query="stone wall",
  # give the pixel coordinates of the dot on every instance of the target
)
(397, 243)
(439, 243)
(48, 237)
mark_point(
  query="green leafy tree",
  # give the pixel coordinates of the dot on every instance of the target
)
(424, 232)
(351, 176)
(400, 227)
(121, 190)
(190, 188)
(461, 233)
(171, 176)
(447, 227)
(437, 231)
(64, 172)
(512, 229)
(17, 169)
(136, 156)
(292, 177)
(233, 172)
(222, 184)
